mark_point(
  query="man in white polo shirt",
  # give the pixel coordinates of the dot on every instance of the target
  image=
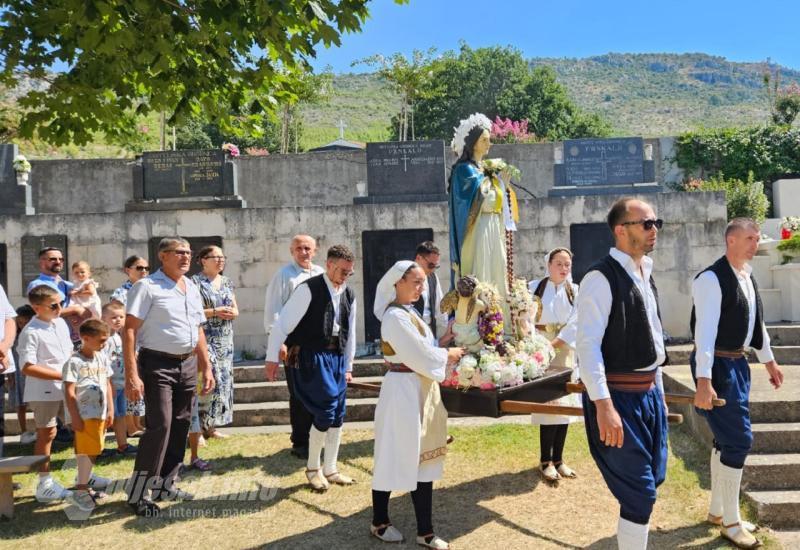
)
(164, 322)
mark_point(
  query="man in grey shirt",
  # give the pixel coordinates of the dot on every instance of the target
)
(303, 248)
(164, 321)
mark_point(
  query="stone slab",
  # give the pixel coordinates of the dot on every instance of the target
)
(786, 197)
(403, 168)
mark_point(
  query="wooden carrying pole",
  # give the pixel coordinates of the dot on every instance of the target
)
(677, 398)
(525, 407)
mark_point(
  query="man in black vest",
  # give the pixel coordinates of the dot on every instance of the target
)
(318, 324)
(727, 318)
(428, 304)
(620, 346)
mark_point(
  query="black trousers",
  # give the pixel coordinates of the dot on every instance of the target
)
(169, 386)
(422, 497)
(551, 442)
(299, 417)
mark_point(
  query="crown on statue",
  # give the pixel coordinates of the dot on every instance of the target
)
(464, 127)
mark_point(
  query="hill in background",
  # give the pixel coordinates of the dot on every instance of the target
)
(640, 94)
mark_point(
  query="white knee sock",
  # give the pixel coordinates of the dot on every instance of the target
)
(333, 438)
(715, 507)
(316, 439)
(730, 480)
(631, 536)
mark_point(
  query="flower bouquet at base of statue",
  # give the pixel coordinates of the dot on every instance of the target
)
(524, 307)
(490, 322)
(462, 374)
(539, 352)
(495, 167)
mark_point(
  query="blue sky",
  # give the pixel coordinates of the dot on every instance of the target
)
(736, 29)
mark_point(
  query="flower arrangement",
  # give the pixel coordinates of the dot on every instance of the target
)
(790, 225)
(494, 167)
(490, 323)
(231, 149)
(523, 308)
(21, 164)
(256, 151)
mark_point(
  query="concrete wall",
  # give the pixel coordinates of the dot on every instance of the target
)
(305, 179)
(256, 242)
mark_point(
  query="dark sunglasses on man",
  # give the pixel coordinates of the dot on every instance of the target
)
(647, 224)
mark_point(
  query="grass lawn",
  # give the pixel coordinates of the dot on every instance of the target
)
(491, 497)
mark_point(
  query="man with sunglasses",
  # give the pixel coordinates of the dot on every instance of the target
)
(428, 304)
(318, 324)
(303, 248)
(51, 264)
(620, 344)
(727, 319)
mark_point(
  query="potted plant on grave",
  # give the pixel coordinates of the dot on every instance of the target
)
(23, 169)
(790, 225)
(791, 249)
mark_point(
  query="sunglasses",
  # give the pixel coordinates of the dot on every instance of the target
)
(54, 307)
(647, 224)
(142, 268)
(56, 260)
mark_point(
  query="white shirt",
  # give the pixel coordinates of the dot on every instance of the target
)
(170, 317)
(6, 312)
(557, 309)
(47, 344)
(441, 318)
(281, 287)
(293, 312)
(594, 307)
(707, 297)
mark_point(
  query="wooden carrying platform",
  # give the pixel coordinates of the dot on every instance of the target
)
(8, 467)
(476, 402)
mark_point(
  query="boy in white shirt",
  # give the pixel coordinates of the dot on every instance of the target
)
(90, 409)
(44, 346)
(8, 331)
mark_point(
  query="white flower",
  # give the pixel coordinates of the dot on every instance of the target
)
(463, 129)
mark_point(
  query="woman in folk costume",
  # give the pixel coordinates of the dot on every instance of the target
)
(557, 320)
(482, 209)
(410, 419)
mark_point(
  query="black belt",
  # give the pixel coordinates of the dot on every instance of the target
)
(176, 357)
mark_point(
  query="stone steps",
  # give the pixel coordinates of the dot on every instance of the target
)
(254, 372)
(772, 472)
(257, 392)
(277, 412)
(781, 509)
(784, 355)
(776, 437)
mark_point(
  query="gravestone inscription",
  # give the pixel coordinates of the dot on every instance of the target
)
(603, 161)
(380, 250)
(31, 245)
(589, 242)
(405, 171)
(177, 174)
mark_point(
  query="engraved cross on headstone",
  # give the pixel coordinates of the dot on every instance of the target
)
(405, 159)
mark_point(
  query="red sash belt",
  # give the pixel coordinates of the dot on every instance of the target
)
(631, 381)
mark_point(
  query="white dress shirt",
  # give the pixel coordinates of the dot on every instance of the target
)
(170, 317)
(707, 297)
(556, 309)
(281, 287)
(594, 307)
(293, 312)
(47, 344)
(441, 318)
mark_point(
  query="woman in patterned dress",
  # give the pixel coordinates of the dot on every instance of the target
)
(219, 304)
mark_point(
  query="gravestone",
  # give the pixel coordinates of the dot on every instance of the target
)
(380, 250)
(14, 199)
(589, 242)
(405, 171)
(604, 166)
(192, 179)
(31, 245)
(195, 243)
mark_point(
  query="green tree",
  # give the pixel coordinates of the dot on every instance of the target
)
(410, 78)
(498, 81)
(232, 61)
(311, 89)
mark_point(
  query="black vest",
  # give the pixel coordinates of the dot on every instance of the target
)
(734, 310)
(316, 327)
(628, 341)
(419, 305)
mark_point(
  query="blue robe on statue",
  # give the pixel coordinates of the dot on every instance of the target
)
(465, 182)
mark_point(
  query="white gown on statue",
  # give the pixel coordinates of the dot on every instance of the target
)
(398, 415)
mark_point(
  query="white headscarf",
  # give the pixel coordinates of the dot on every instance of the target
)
(385, 294)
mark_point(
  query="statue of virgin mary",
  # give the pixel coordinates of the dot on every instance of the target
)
(482, 209)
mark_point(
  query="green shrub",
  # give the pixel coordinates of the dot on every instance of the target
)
(745, 199)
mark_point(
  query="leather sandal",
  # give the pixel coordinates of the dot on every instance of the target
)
(317, 480)
(566, 471)
(339, 479)
(739, 537)
(432, 541)
(389, 534)
(549, 472)
(746, 525)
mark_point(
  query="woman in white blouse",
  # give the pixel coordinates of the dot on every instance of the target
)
(557, 293)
